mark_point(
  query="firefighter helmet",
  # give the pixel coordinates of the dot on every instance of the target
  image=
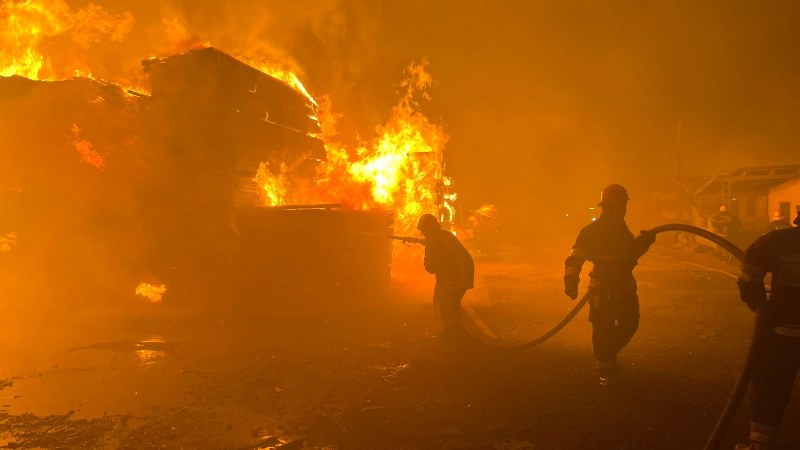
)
(428, 222)
(776, 215)
(613, 194)
(723, 208)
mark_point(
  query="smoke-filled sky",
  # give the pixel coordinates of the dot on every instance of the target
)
(545, 101)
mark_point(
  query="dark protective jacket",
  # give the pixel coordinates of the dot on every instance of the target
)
(613, 251)
(447, 258)
(777, 252)
(726, 223)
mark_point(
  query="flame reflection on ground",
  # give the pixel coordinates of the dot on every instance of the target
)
(150, 351)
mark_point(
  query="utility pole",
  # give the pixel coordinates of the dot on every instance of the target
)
(678, 149)
(679, 200)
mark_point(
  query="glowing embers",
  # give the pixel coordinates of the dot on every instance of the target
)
(8, 241)
(391, 371)
(152, 292)
(151, 351)
(86, 151)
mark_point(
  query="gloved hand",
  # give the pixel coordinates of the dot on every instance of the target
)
(753, 304)
(754, 297)
(571, 286)
(752, 293)
(646, 238)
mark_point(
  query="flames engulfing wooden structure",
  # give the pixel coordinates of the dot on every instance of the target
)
(237, 117)
(162, 184)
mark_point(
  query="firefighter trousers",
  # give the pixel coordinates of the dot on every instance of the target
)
(774, 374)
(615, 318)
(447, 302)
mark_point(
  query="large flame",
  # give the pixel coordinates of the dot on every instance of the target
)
(404, 166)
(401, 170)
(25, 25)
(280, 72)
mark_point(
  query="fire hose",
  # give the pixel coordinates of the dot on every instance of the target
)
(740, 388)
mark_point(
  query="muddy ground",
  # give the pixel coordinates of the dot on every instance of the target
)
(374, 374)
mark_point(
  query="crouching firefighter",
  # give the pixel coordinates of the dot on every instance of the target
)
(778, 357)
(452, 264)
(613, 251)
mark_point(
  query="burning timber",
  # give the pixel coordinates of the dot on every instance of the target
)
(108, 186)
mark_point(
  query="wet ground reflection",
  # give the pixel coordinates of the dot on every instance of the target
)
(148, 351)
(151, 351)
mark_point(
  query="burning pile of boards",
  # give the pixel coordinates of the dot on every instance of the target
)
(112, 186)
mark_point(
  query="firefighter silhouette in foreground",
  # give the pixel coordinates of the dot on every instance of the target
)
(775, 368)
(452, 264)
(613, 251)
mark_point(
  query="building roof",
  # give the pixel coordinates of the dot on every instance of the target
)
(210, 77)
(742, 180)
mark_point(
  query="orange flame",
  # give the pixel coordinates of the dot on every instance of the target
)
(152, 292)
(402, 170)
(27, 24)
(403, 167)
(274, 188)
(8, 241)
(86, 150)
(282, 73)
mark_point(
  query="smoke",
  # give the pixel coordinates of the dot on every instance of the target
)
(545, 102)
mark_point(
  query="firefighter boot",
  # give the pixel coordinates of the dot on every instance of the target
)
(755, 446)
(607, 371)
(762, 437)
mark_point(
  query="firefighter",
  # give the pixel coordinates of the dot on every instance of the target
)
(613, 251)
(796, 220)
(778, 358)
(452, 264)
(725, 223)
(778, 222)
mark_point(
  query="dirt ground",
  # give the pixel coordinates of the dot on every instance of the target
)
(374, 374)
